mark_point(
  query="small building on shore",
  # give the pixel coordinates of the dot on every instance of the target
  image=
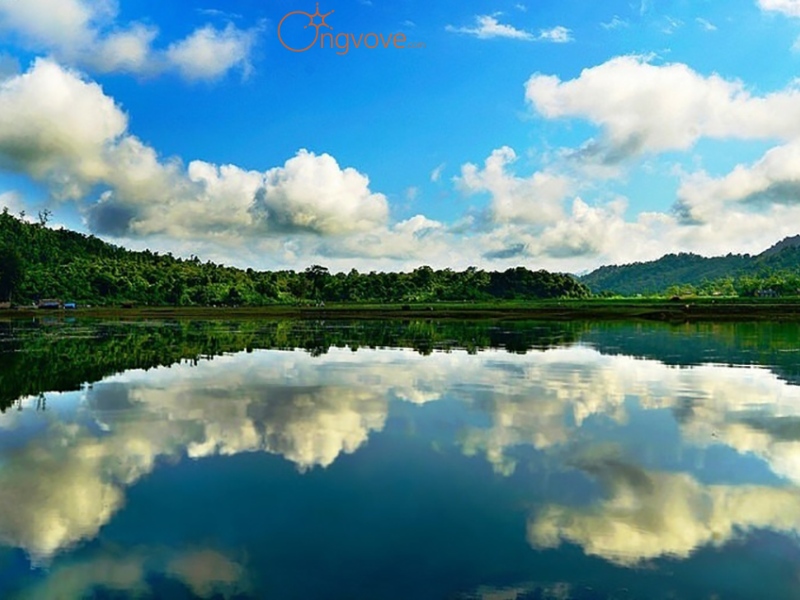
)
(49, 304)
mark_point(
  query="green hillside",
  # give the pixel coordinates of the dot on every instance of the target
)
(777, 269)
(37, 262)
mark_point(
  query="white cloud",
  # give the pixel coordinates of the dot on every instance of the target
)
(127, 51)
(556, 35)
(537, 199)
(64, 131)
(790, 8)
(641, 107)
(209, 53)
(772, 180)
(87, 34)
(64, 25)
(488, 27)
(57, 127)
(436, 174)
(312, 192)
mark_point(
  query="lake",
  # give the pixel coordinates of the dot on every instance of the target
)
(399, 459)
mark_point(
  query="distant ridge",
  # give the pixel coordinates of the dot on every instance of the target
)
(788, 242)
(657, 276)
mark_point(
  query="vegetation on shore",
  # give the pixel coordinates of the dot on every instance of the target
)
(38, 262)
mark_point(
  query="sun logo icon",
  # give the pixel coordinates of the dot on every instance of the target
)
(311, 23)
(322, 18)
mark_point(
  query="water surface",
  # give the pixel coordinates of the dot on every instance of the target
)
(399, 460)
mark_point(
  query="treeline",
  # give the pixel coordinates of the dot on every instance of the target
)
(38, 262)
(768, 283)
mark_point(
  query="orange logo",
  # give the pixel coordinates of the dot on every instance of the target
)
(311, 23)
(341, 42)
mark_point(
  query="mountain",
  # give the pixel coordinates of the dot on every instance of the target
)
(789, 242)
(683, 270)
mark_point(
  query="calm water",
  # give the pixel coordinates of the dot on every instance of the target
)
(399, 460)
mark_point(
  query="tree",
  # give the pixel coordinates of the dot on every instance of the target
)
(10, 272)
(317, 275)
(44, 216)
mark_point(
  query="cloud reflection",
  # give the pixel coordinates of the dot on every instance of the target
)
(205, 572)
(649, 514)
(70, 477)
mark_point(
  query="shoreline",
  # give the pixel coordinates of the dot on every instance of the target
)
(699, 309)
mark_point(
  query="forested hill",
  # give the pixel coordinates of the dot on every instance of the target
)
(37, 262)
(778, 267)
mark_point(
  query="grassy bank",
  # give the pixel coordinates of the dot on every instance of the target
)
(625, 308)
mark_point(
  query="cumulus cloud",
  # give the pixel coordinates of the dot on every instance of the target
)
(313, 192)
(87, 34)
(64, 131)
(537, 199)
(535, 217)
(55, 126)
(773, 179)
(650, 514)
(209, 53)
(646, 108)
(61, 129)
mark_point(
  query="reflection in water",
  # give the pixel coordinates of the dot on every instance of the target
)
(205, 573)
(629, 459)
(647, 514)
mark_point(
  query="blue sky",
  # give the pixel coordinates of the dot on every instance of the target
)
(553, 134)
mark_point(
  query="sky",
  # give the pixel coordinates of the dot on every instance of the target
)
(555, 134)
